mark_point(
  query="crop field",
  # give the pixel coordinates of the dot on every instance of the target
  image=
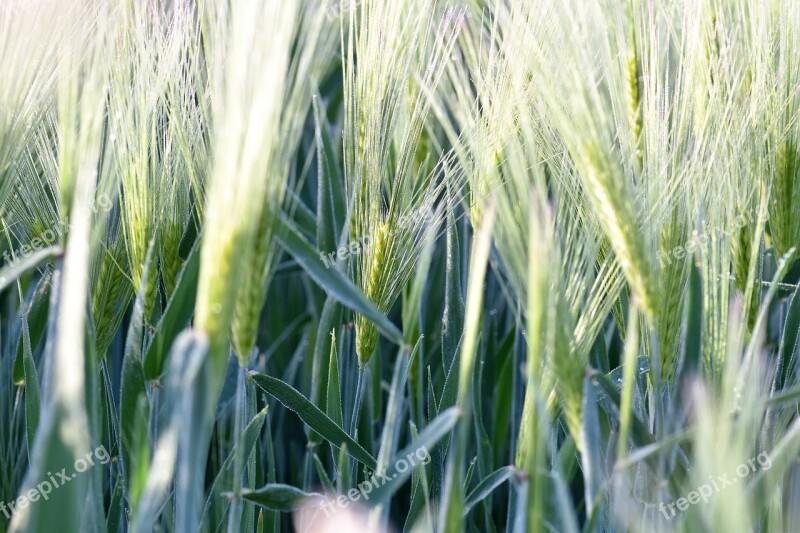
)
(399, 266)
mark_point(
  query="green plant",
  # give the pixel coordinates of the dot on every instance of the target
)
(415, 265)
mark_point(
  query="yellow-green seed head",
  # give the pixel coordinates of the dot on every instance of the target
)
(366, 333)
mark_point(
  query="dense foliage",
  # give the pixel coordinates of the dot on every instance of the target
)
(418, 265)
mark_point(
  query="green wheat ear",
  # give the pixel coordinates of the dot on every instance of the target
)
(569, 368)
(742, 250)
(672, 279)
(635, 108)
(784, 221)
(247, 310)
(617, 216)
(175, 214)
(137, 252)
(366, 333)
(217, 301)
(151, 295)
(111, 293)
(170, 255)
(634, 95)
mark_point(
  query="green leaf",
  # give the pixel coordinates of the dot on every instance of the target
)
(279, 497)
(271, 518)
(214, 511)
(451, 515)
(563, 508)
(615, 377)
(392, 423)
(503, 391)
(630, 369)
(453, 318)
(392, 418)
(788, 396)
(134, 408)
(343, 482)
(302, 216)
(640, 434)
(438, 428)
(329, 320)
(592, 461)
(35, 312)
(330, 185)
(64, 432)
(788, 347)
(333, 403)
(420, 498)
(334, 283)
(177, 315)
(183, 428)
(488, 485)
(116, 509)
(12, 272)
(644, 452)
(196, 408)
(690, 365)
(32, 395)
(326, 482)
(311, 415)
(764, 484)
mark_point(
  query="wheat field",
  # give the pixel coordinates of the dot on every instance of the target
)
(399, 266)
